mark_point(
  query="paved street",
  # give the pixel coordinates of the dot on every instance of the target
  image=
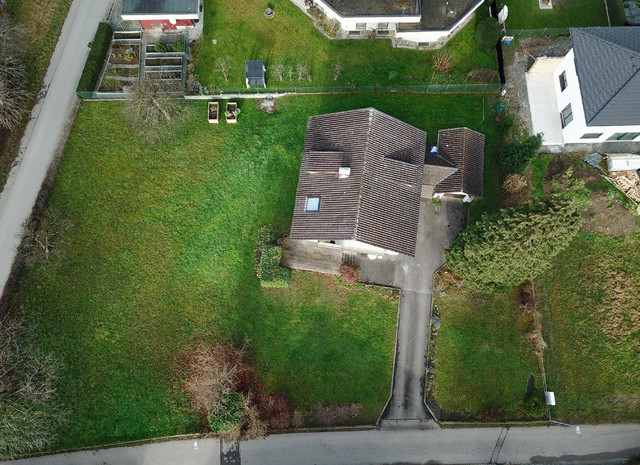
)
(548, 445)
(48, 120)
(414, 275)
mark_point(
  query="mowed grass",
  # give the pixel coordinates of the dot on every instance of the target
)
(243, 33)
(484, 359)
(161, 257)
(526, 14)
(592, 315)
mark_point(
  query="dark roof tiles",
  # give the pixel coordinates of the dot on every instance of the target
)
(607, 61)
(465, 149)
(379, 203)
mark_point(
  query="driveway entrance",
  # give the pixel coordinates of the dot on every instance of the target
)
(437, 227)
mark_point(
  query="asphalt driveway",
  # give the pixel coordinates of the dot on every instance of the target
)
(414, 276)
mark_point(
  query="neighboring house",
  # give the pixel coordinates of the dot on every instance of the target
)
(254, 71)
(457, 169)
(162, 14)
(593, 93)
(362, 175)
(419, 21)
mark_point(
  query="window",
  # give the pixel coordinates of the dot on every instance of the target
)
(361, 25)
(383, 25)
(592, 135)
(354, 33)
(313, 204)
(624, 136)
(424, 44)
(383, 32)
(566, 116)
(563, 81)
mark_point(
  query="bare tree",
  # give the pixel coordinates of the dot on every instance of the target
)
(44, 238)
(278, 70)
(223, 65)
(302, 70)
(290, 72)
(152, 106)
(29, 412)
(337, 69)
(13, 77)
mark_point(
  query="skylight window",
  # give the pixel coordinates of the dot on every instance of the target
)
(313, 204)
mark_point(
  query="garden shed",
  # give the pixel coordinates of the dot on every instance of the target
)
(254, 71)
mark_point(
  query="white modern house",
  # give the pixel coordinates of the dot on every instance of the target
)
(593, 93)
(162, 14)
(422, 22)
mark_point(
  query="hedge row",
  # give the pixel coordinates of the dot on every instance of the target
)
(271, 273)
(96, 59)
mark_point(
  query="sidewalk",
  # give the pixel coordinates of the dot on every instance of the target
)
(48, 120)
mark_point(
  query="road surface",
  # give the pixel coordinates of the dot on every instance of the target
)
(548, 445)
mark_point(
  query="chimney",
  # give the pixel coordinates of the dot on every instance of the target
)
(344, 172)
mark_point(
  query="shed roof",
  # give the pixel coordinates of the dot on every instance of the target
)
(155, 7)
(379, 202)
(464, 148)
(607, 61)
(254, 72)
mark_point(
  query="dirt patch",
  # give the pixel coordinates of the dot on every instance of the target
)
(620, 312)
(624, 401)
(605, 213)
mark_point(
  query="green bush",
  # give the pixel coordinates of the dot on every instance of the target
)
(271, 273)
(505, 122)
(228, 414)
(96, 59)
(488, 32)
(178, 46)
(515, 156)
(160, 47)
(534, 405)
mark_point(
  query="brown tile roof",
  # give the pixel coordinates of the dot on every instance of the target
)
(464, 148)
(379, 203)
(436, 169)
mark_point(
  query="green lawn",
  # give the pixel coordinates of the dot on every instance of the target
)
(484, 359)
(592, 304)
(243, 33)
(525, 14)
(161, 256)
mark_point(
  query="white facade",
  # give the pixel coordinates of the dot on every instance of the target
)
(549, 101)
(357, 247)
(160, 17)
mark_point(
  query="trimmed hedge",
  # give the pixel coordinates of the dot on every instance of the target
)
(271, 273)
(96, 58)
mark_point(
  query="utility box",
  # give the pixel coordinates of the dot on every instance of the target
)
(550, 397)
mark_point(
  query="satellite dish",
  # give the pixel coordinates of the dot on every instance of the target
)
(173, 21)
(502, 16)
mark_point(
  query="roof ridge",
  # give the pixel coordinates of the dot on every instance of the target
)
(365, 153)
(464, 151)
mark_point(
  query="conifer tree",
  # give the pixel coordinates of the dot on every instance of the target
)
(513, 245)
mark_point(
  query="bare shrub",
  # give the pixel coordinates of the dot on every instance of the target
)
(443, 61)
(290, 72)
(13, 77)
(349, 275)
(29, 411)
(223, 65)
(44, 239)
(482, 75)
(278, 70)
(276, 411)
(213, 374)
(297, 419)
(331, 414)
(514, 183)
(337, 69)
(152, 106)
(303, 71)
